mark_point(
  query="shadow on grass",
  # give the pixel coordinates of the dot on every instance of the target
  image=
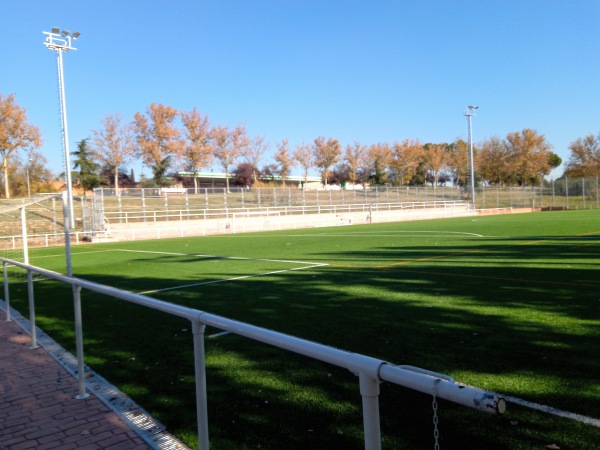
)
(491, 318)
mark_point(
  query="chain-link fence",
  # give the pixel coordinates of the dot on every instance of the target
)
(107, 206)
(152, 205)
(580, 193)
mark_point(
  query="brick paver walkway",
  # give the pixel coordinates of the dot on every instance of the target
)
(38, 409)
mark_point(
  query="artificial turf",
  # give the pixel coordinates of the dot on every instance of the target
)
(505, 303)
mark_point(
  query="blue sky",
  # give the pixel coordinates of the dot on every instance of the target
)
(368, 71)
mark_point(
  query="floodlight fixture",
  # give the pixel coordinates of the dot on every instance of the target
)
(60, 41)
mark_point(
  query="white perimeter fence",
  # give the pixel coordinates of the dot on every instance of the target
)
(180, 223)
(152, 204)
(370, 371)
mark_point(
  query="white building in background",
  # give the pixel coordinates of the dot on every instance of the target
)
(217, 179)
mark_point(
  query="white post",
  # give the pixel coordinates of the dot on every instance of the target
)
(79, 342)
(31, 309)
(24, 236)
(369, 390)
(65, 135)
(67, 237)
(200, 372)
(6, 291)
(469, 113)
(28, 184)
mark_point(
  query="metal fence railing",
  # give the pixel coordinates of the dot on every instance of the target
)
(370, 371)
(108, 206)
(181, 204)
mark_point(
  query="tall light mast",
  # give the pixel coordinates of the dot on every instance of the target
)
(60, 41)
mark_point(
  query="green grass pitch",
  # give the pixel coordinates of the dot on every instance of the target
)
(506, 303)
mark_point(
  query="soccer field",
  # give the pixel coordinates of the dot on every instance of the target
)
(505, 303)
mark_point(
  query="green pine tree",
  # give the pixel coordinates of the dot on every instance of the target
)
(88, 175)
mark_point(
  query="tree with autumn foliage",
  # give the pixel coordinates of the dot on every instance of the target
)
(585, 157)
(304, 157)
(254, 152)
(229, 145)
(159, 139)
(16, 133)
(354, 158)
(459, 161)
(529, 156)
(113, 144)
(29, 175)
(405, 160)
(379, 157)
(284, 160)
(522, 158)
(436, 160)
(198, 152)
(493, 161)
(326, 153)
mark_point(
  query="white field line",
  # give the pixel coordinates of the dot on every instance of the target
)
(307, 265)
(413, 233)
(552, 410)
(394, 234)
(536, 218)
(231, 279)
(240, 258)
(62, 255)
(216, 335)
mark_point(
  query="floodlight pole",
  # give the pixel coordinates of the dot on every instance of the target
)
(28, 184)
(60, 41)
(470, 113)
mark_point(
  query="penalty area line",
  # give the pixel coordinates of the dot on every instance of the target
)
(230, 279)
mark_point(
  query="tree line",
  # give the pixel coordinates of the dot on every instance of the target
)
(166, 141)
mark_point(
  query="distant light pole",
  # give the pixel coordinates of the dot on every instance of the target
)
(28, 184)
(470, 113)
(60, 41)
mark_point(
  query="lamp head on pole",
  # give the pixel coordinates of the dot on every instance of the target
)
(60, 40)
(471, 110)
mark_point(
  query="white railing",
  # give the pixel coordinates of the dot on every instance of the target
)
(370, 371)
(135, 225)
(160, 214)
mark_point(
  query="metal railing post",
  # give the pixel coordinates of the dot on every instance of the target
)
(79, 342)
(31, 309)
(6, 291)
(200, 375)
(369, 390)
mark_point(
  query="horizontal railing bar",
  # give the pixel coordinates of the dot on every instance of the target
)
(160, 305)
